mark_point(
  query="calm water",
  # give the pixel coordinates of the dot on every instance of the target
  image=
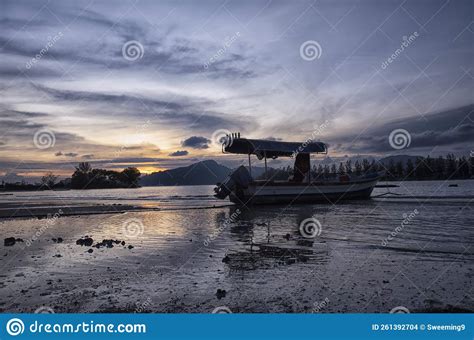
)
(202, 196)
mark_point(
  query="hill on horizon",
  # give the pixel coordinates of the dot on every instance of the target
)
(209, 172)
(206, 172)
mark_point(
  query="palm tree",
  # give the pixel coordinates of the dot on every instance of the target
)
(84, 167)
(49, 180)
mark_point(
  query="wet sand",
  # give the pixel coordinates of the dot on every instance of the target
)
(35, 210)
(194, 260)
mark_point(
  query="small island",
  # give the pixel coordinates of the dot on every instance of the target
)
(84, 177)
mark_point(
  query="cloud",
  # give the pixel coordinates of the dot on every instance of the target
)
(184, 86)
(164, 53)
(14, 114)
(179, 153)
(183, 111)
(90, 156)
(276, 139)
(117, 99)
(67, 154)
(196, 142)
(446, 129)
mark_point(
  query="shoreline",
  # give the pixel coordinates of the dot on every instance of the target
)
(46, 212)
(20, 212)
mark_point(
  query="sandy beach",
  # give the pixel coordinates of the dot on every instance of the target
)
(177, 256)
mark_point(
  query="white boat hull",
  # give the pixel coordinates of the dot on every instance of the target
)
(286, 192)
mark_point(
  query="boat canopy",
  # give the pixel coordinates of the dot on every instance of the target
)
(269, 148)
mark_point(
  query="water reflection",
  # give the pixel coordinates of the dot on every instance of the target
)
(266, 238)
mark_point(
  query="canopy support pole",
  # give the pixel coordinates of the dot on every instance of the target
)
(266, 175)
(250, 167)
(309, 171)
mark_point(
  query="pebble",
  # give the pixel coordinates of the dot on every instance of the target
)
(221, 293)
(86, 241)
(9, 241)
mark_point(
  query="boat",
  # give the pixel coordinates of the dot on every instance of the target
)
(243, 189)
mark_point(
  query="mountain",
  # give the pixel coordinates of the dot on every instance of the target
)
(210, 172)
(202, 173)
(257, 171)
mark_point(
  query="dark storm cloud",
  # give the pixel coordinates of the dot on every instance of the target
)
(126, 28)
(443, 129)
(19, 131)
(182, 111)
(18, 128)
(97, 97)
(177, 56)
(276, 139)
(27, 49)
(21, 114)
(196, 142)
(16, 71)
(6, 23)
(179, 153)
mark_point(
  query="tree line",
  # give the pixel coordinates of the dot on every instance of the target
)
(439, 168)
(84, 177)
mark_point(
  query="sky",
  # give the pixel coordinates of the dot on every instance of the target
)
(156, 84)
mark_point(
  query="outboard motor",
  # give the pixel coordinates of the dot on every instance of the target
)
(239, 179)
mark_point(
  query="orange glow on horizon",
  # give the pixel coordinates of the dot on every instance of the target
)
(149, 170)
